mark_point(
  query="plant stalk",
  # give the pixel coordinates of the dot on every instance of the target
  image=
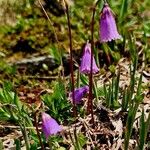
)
(90, 100)
(56, 38)
(71, 60)
(37, 130)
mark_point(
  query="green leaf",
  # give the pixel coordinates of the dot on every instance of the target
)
(1, 145)
(142, 132)
(82, 140)
(129, 124)
(18, 144)
(123, 10)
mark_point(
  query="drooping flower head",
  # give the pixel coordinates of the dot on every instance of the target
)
(49, 125)
(108, 28)
(79, 93)
(85, 66)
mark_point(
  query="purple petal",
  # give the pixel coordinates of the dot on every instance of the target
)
(85, 66)
(49, 125)
(79, 94)
(108, 28)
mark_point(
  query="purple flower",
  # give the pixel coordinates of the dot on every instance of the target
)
(79, 93)
(86, 61)
(108, 28)
(49, 125)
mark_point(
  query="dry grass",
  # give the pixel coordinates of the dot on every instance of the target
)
(8, 11)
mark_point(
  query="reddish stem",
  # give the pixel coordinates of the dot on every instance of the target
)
(71, 60)
(90, 100)
(37, 130)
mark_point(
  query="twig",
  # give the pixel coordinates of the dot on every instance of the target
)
(15, 127)
(42, 78)
(56, 37)
(88, 132)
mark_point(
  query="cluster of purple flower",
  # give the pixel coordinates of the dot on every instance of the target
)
(108, 32)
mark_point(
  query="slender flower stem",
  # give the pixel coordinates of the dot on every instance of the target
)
(90, 100)
(56, 38)
(71, 59)
(37, 130)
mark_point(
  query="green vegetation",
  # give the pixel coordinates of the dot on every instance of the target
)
(35, 76)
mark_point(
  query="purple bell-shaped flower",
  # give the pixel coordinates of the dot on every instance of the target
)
(49, 125)
(108, 28)
(85, 66)
(79, 93)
